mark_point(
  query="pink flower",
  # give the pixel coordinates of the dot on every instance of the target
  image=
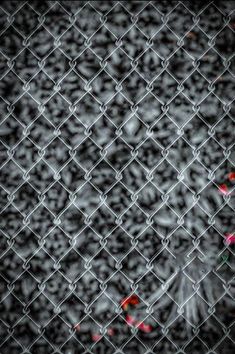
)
(144, 327)
(223, 189)
(77, 327)
(130, 320)
(230, 239)
(95, 337)
(232, 25)
(110, 331)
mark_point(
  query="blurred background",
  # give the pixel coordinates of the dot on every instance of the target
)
(117, 161)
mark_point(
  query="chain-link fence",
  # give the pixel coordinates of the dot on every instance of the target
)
(117, 135)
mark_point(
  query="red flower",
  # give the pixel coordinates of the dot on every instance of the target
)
(223, 189)
(132, 300)
(231, 176)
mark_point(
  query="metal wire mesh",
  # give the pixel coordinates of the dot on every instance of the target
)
(117, 133)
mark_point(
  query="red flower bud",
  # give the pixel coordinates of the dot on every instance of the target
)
(231, 176)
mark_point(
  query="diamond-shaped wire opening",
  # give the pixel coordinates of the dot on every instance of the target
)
(211, 20)
(99, 270)
(56, 65)
(72, 35)
(92, 65)
(195, 344)
(26, 20)
(52, 203)
(57, 243)
(72, 221)
(149, 198)
(72, 265)
(108, 174)
(180, 65)
(224, 87)
(149, 160)
(72, 176)
(87, 10)
(37, 132)
(56, 154)
(104, 309)
(152, 23)
(118, 109)
(164, 43)
(211, 65)
(133, 131)
(140, 39)
(41, 86)
(119, 190)
(11, 269)
(130, 174)
(225, 131)
(51, 288)
(88, 243)
(87, 154)
(87, 199)
(118, 64)
(195, 131)
(58, 13)
(223, 47)
(186, 154)
(103, 131)
(11, 176)
(132, 217)
(134, 87)
(26, 65)
(10, 50)
(103, 220)
(26, 199)
(103, 42)
(173, 22)
(107, 82)
(119, 154)
(88, 110)
(14, 85)
(119, 243)
(41, 34)
(217, 157)
(165, 176)
(129, 266)
(196, 43)
(11, 131)
(72, 131)
(118, 20)
(72, 88)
